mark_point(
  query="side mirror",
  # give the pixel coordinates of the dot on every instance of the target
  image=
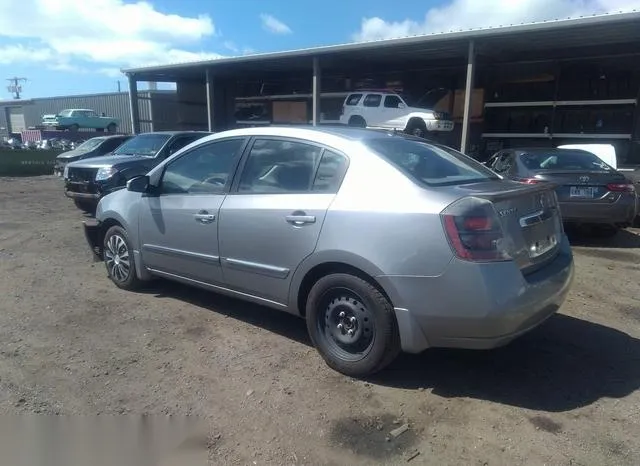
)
(401, 105)
(138, 184)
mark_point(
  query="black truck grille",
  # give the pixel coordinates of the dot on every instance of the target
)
(82, 174)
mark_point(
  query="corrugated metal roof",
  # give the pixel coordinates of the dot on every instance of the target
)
(611, 28)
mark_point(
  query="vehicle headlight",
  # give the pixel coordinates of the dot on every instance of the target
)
(65, 174)
(105, 173)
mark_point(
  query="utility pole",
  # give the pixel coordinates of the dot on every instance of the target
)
(14, 86)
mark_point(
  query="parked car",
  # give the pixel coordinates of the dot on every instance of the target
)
(76, 118)
(86, 181)
(388, 110)
(94, 147)
(590, 191)
(369, 235)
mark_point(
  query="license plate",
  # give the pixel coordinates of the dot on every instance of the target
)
(543, 246)
(582, 192)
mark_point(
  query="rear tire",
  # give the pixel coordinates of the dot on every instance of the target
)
(352, 325)
(119, 259)
(112, 128)
(357, 122)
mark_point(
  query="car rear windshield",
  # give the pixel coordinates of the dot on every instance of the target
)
(563, 159)
(146, 145)
(430, 164)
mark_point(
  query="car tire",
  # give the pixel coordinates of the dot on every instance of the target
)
(352, 325)
(111, 128)
(357, 122)
(417, 128)
(86, 206)
(119, 259)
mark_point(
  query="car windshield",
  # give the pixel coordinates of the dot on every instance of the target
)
(146, 145)
(90, 144)
(563, 159)
(430, 164)
(65, 113)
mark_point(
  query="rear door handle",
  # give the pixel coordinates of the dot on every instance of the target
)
(300, 219)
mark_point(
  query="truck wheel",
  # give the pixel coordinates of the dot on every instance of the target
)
(112, 128)
(352, 325)
(416, 128)
(357, 122)
(74, 128)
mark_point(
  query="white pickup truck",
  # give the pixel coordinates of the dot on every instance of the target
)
(388, 110)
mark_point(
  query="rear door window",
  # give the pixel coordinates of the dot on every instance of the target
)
(430, 164)
(372, 100)
(353, 99)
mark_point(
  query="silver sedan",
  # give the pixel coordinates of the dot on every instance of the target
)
(382, 242)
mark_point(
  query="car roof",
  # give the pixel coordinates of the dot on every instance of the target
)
(174, 133)
(545, 150)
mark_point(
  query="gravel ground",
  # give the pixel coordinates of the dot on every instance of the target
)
(72, 343)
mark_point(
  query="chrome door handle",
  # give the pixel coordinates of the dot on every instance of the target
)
(204, 217)
(300, 219)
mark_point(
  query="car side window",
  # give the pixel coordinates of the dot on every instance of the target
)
(203, 170)
(330, 172)
(279, 166)
(392, 101)
(180, 142)
(372, 100)
(503, 163)
(354, 99)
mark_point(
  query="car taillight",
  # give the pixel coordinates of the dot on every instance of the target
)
(621, 187)
(474, 230)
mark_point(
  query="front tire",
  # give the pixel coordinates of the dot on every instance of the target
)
(352, 325)
(357, 122)
(119, 259)
(417, 128)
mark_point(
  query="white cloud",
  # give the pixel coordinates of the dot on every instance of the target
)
(467, 14)
(272, 24)
(114, 33)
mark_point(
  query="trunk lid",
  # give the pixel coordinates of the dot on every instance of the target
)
(529, 216)
(582, 186)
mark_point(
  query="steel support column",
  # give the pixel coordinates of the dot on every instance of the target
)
(317, 72)
(209, 86)
(133, 104)
(471, 59)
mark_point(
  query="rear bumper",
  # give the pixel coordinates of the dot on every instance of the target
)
(497, 303)
(623, 211)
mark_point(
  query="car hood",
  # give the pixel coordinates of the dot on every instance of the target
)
(72, 154)
(108, 161)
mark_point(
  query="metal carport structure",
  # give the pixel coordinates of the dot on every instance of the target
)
(595, 37)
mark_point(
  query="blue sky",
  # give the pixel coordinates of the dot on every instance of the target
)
(67, 47)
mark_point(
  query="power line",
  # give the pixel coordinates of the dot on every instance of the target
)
(14, 86)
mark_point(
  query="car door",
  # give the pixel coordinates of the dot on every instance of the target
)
(371, 110)
(179, 223)
(271, 220)
(393, 110)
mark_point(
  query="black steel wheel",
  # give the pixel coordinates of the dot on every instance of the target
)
(352, 324)
(417, 128)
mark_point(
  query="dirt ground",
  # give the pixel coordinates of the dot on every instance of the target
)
(72, 343)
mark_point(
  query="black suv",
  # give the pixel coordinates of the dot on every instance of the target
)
(94, 147)
(86, 181)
